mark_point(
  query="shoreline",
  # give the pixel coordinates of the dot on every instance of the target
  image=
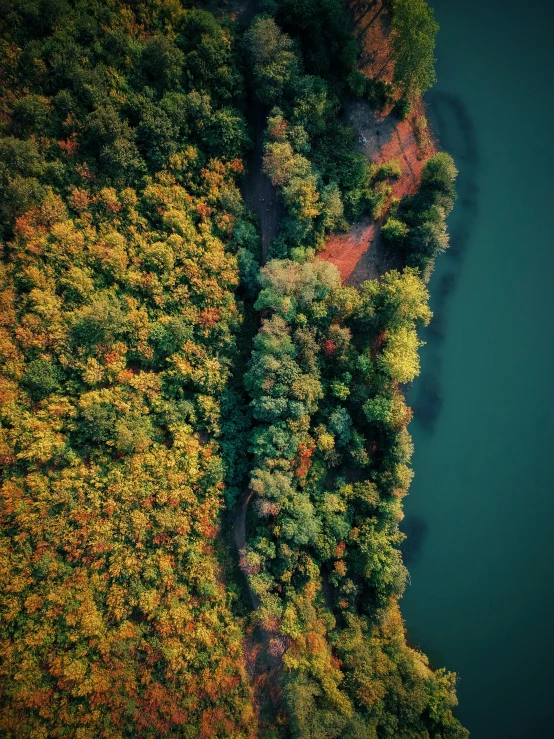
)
(359, 253)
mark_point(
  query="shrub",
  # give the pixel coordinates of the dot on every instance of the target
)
(402, 108)
(422, 133)
(394, 231)
(378, 93)
(357, 83)
(388, 169)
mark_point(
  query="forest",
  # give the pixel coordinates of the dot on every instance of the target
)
(162, 376)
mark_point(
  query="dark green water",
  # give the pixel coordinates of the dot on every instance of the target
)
(480, 515)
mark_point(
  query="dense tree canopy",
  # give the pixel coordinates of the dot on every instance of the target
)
(418, 228)
(119, 201)
(331, 450)
(413, 45)
(153, 378)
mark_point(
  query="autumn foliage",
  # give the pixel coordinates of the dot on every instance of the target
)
(117, 326)
(151, 375)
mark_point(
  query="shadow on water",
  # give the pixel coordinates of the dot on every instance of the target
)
(455, 130)
(415, 528)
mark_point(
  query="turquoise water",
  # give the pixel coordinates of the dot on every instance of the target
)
(480, 514)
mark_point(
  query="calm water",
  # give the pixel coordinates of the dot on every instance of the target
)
(481, 510)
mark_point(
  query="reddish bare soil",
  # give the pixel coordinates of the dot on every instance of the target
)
(345, 250)
(372, 28)
(388, 138)
(361, 254)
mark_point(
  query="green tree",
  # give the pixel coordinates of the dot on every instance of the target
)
(274, 63)
(413, 45)
(162, 62)
(402, 300)
(395, 231)
(30, 115)
(439, 175)
(41, 378)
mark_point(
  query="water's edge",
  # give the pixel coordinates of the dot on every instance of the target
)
(480, 549)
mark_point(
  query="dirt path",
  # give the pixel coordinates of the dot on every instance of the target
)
(240, 541)
(263, 648)
(271, 636)
(258, 192)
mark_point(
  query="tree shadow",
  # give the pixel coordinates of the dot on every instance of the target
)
(415, 529)
(365, 8)
(454, 128)
(360, 33)
(429, 403)
(374, 262)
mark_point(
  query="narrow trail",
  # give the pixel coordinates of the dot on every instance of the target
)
(271, 637)
(261, 197)
(263, 647)
(258, 192)
(240, 540)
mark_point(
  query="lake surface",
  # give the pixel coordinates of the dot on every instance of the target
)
(480, 514)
